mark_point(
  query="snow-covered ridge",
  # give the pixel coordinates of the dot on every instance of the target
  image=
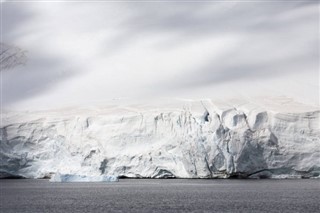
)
(198, 139)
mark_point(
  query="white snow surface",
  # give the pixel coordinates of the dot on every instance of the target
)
(183, 139)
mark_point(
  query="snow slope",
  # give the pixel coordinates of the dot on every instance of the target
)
(185, 139)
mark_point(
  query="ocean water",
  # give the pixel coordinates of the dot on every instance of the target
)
(166, 195)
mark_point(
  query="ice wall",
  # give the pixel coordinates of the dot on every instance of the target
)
(194, 140)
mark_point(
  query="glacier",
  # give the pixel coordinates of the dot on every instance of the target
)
(82, 178)
(188, 139)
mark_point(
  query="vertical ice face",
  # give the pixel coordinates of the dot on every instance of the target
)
(198, 141)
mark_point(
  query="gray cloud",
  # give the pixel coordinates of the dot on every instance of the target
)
(268, 28)
(22, 83)
(67, 41)
(38, 74)
(14, 16)
(291, 25)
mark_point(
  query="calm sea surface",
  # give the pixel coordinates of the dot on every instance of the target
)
(171, 195)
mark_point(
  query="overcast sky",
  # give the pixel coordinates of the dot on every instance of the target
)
(80, 53)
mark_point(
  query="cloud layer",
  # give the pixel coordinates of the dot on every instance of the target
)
(79, 53)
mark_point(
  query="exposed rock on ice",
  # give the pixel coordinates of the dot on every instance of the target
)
(192, 139)
(82, 178)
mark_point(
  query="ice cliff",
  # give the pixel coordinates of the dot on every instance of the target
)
(193, 139)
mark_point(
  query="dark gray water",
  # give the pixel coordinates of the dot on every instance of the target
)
(172, 195)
